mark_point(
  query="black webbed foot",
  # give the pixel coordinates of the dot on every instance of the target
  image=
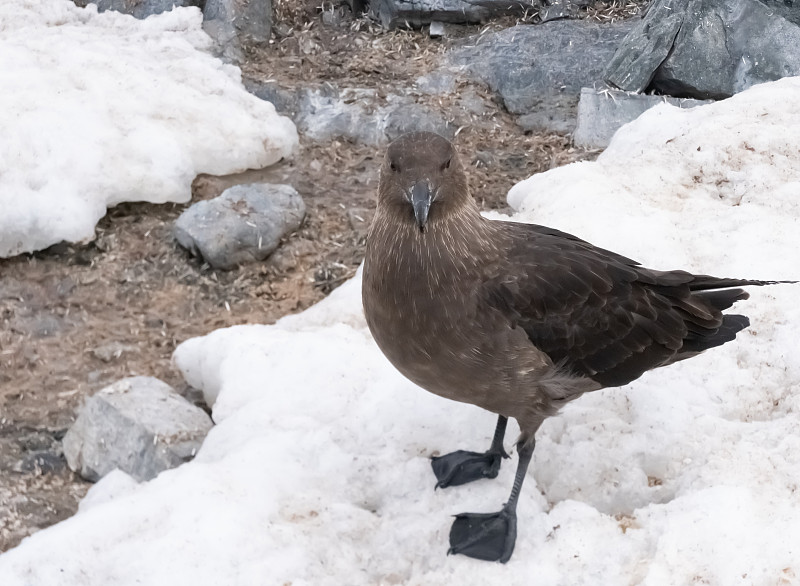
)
(485, 536)
(461, 467)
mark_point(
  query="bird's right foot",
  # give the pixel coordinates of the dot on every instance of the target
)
(461, 467)
(485, 536)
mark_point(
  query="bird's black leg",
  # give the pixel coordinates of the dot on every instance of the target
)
(461, 467)
(491, 536)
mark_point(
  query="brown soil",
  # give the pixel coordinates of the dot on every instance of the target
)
(75, 318)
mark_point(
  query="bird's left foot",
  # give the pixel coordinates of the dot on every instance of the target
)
(461, 467)
(485, 536)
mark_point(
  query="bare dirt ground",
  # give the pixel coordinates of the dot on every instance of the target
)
(75, 318)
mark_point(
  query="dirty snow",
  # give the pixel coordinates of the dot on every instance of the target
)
(317, 471)
(98, 109)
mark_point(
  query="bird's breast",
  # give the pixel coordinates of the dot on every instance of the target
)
(432, 331)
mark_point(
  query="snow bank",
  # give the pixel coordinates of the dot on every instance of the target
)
(97, 109)
(671, 177)
(318, 471)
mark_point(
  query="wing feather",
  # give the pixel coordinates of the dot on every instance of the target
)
(602, 315)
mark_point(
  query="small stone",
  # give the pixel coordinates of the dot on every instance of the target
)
(436, 82)
(139, 425)
(244, 224)
(472, 102)
(111, 351)
(106, 242)
(46, 325)
(555, 10)
(283, 261)
(43, 462)
(437, 29)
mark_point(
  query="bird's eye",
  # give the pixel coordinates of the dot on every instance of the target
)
(394, 167)
(446, 165)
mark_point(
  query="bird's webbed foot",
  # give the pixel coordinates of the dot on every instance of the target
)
(461, 467)
(485, 536)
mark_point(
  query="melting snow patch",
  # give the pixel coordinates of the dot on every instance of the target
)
(98, 109)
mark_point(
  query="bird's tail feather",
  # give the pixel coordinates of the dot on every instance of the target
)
(731, 325)
(706, 283)
(722, 299)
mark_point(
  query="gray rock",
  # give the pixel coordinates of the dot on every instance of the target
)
(646, 46)
(403, 115)
(327, 113)
(139, 425)
(353, 114)
(788, 9)
(416, 13)
(41, 463)
(437, 29)
(46, 325)
(557, 10)
(139, 8)
(536, 68)
(244, 224)
(472, 102)
(233, 23)
(285, 100)
(726, 46)
(708, 48)
(602, 112)
(436, 82)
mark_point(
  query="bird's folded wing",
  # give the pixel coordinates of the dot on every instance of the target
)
(594, 312)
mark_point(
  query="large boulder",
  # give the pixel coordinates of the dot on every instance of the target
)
(707, 49)
(646, 46)
(139, 425)
(244, 224)
(538, 70)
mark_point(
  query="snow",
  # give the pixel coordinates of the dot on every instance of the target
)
(317, 471)
(98, 109)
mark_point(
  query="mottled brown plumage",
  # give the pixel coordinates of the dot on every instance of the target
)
(515, 318)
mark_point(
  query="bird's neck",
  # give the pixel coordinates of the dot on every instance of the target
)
(449, 249)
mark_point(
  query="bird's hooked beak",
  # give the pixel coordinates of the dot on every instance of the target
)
(421, 201)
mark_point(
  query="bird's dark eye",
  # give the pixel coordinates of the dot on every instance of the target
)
(446, 165)
(394, 167)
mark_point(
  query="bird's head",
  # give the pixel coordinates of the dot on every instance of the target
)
(422, 179)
